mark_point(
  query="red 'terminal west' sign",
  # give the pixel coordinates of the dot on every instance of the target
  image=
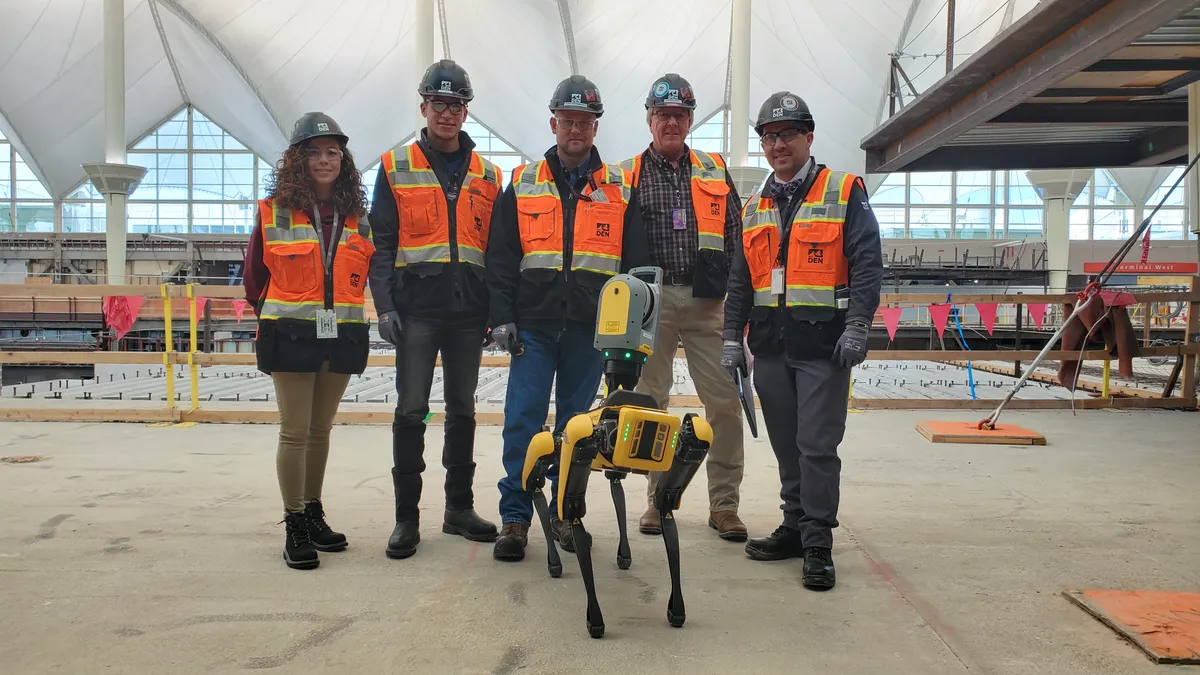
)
(1144, 268)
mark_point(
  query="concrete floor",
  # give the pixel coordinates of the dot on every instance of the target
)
(134, 549)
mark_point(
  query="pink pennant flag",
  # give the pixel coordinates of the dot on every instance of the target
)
(239, 308)
(120, 312)
(200, 303)
(1037, 312)
(987, 314)
(939, 314)
(891, 319)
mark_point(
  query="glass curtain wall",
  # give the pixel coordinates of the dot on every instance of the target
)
(25, 206)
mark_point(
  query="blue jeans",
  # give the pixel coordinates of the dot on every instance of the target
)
(570, 356)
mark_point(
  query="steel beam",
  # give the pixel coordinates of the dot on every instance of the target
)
(1119, 113)
(1160, 146)
(1032, 156)
(1052, 42)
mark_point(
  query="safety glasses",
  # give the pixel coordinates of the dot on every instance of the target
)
(788, 135)
(317, 154)
(442, 106)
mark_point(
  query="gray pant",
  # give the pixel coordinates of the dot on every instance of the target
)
(804, 407)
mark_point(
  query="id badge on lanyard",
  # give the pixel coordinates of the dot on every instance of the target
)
(327, 327)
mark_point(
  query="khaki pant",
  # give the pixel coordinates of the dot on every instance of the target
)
(307, 405)
(697, 322)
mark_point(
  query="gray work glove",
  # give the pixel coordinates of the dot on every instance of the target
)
(851, 348)
(505, 336)
(390, 329)
(733, 358)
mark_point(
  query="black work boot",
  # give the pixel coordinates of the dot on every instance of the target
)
(783, 543)
(511, 544)
(564, 534)
(818, 568)
(323, 538)
(468, 524)
(405, 537)
(298, 551)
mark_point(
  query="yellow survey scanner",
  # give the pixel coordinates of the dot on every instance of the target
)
(627, 324)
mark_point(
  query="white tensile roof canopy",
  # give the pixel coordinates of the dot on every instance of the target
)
(254, 66)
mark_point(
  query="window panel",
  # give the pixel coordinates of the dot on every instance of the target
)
(1168, 223)
(973, 223)
(1021, 191)
(1112, 224)
(973, 187)
(6, 216)
(86, 216)
(1024, 222)
(891, 221)
(999, 180)
(223, 218)
(27, 185)
(1176, 198)
(1085, 196)
(5, 171)
(265, 169)
(34, 216)
(891, 191)
(929, 223)
(158, 218)
(929, 188)
(1107, 192)
(1080, 220)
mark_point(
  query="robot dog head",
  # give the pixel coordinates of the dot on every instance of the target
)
(627, 324)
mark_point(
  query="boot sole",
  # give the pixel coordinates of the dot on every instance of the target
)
(819, 584)
(454, 529)
(762, 556)
(400, 554)
(301, 564)
(325, 548)
(649, 530)
(728, 536)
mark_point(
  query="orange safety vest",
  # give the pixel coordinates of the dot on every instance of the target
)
(599, 219)
(710, 195)
(421, 205)
(816, 263)
(292, 253)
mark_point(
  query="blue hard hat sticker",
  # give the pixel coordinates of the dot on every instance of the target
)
(660, 89)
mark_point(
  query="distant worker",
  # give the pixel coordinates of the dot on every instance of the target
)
(430, 217)
(691, 211)
(566, 224)
(306, 276)
(809, 303)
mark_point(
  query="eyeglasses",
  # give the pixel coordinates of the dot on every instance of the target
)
(570, 125)
(316, 154)
(679, 116)
(787, 135)
(441, 106)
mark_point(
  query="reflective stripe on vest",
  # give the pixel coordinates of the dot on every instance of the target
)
(292, 253)
(598, 225)
(422, 208)
(709, 192)
(816, 264)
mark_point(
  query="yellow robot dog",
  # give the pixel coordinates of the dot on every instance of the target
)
(628, 433)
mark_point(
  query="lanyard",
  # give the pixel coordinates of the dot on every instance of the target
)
(327, 251)
(785, 225)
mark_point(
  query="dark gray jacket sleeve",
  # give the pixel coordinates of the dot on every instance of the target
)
(635, 243)
(864, 251)
(739, 296)
(385, 232)
(503, 260)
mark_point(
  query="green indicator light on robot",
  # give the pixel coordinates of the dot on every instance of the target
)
(626, 432)
(605, 353)
(628, 355)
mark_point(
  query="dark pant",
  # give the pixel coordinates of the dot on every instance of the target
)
(804, 407)
(565, 359)
(460, 342)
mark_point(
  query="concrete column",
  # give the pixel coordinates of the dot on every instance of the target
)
(1058, 189)
(424, 30)
(739, 94)
(114, 179)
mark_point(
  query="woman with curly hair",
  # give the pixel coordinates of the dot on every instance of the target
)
(305, 274)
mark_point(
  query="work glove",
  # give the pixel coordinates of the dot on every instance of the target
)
(506, 337)
(733, 358)
(390, 328)
(851, 348)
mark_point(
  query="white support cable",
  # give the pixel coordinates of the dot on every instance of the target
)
(441, 10)
(162, 36)
(564, 14)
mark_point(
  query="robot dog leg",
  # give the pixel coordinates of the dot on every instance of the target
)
(695, 437)
(624, 556)
(579, 449)
(543, 449)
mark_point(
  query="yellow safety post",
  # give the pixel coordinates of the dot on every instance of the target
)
(195, 370)
(170, 347)
(1107, 376)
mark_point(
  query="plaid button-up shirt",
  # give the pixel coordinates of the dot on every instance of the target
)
(663, 188)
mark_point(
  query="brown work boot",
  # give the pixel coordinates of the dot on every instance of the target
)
(510, 545)
(728, 526)
(651, 522)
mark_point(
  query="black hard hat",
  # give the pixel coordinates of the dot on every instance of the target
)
(314, 125)
(783, 106)
(446, 78)
(671, 91)
(577, 93)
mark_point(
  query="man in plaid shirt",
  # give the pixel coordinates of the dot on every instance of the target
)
(693, 219)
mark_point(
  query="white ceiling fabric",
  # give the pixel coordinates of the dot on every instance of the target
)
(254, 66)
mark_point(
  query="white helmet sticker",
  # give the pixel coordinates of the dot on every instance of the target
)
(577, 99)
(446, 85)
(789, 103)
(777, 112)
(321, 126)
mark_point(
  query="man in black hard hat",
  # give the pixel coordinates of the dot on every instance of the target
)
(430, 218)
(806, 280)
(691, 210)
(566, 224)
